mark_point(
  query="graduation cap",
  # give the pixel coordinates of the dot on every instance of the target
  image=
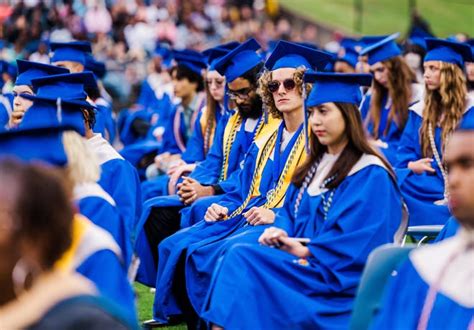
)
(96, 67)
(448, 51)
(163, 50)
(69, 87)
(350, 56)
(215, 53)
(74, 51)
(34, 145)
(191, 59)
(239, 60)
(336, 87)
(292, 55)
(366, 41)
(382, 50)
(6, 67)
(470, 42)
(417, 37)
(31, 70)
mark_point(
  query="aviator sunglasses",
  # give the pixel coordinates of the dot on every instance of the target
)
(274, 85)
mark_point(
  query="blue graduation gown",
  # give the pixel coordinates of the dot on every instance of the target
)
(206, 172)
(422, 191)
(243, 140)
(394, 133)
(104, 269)
(97, 257)
(203, 234)
(405, 294)
(317, 292)
(6, 107)
(99, 207)
(449, 230)
(194, 153)
(105, 123)
(119, 179)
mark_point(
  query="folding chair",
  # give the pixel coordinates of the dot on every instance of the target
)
(381, 264)
(427, 233)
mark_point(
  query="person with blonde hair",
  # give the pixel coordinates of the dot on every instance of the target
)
(422, 172)
(94, 252)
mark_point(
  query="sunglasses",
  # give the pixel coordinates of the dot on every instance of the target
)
(274, 85)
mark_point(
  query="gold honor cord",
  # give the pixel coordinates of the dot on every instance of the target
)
(230, 133)
(276, 196)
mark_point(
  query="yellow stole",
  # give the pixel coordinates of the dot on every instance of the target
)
(79, 227)
(266, 141)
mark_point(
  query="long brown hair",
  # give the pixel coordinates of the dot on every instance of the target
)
(209, 118)
(444, 106)
(400, 78)
(357, 146)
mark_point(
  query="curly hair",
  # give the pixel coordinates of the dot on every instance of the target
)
(444, 106)
(400, 78)
(267, 96)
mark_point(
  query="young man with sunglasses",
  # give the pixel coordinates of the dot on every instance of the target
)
(276, 152)
(216, 174)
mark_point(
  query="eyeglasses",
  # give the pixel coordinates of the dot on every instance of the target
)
(242, 94)
(217, 82)
(274, 85)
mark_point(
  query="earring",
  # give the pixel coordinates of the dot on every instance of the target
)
(20, 274)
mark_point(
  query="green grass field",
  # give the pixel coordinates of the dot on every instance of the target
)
(145, 305)
(387, 16)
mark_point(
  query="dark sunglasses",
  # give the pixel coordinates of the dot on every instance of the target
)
(274, 85)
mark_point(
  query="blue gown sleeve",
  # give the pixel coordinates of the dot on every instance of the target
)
(209, 170)
(112, 284)
(195, 145)
(169, 140)
(365, 106)
(146, 95)
(234, 198)
(407, 151)
(284, 216)
(354, 227)
(120, 179)
(401, 303)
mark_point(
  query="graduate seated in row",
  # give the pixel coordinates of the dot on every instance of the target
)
(187, 258)
(385, 106)
(175, 131)
(421, 172)
(47, 123)
(199, 144)
(26, 72)
(344, 200)
(434, 288)
(36, 220)
(217, 174)
(118, 178)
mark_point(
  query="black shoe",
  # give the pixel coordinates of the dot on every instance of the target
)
(172, 320)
